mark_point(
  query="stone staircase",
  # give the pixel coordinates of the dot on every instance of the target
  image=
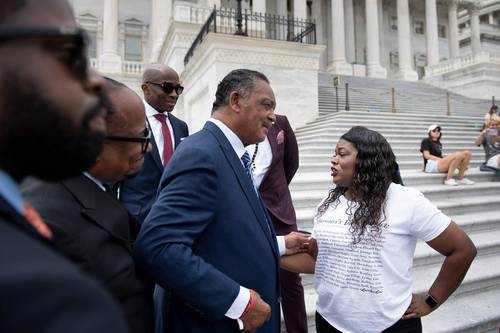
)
(410, 97)
(475, 306)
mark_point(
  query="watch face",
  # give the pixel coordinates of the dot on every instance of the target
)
(431, 301)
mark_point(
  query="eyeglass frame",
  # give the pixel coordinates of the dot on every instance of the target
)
(144, 140)
(168, 87)
(80, 60)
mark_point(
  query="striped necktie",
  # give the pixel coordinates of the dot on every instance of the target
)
(248, 166)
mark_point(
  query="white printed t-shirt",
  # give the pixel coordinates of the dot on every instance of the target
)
(366, 287)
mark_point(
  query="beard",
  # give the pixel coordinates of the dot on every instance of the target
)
(39, 138)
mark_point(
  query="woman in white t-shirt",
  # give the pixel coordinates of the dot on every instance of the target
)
(363, 242)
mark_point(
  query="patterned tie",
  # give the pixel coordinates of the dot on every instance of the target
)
(36, 221)
(168, 148)
(248, 166)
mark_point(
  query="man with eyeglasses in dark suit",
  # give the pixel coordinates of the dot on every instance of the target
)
(51, 126)
(90, 226)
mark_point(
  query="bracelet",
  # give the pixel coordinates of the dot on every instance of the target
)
(249, 306)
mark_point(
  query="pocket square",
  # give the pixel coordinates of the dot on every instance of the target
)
(182, 139)
(280, 137)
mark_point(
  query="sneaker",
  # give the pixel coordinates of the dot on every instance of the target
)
(451, 182)
(465, 181)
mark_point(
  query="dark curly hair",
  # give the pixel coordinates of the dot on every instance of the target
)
(375, 169)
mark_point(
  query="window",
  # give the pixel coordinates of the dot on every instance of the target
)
(133, 48)
(393, 23)
(484, 19)
(418, 27)
(133, 40)
(441, 31)
(92, 44)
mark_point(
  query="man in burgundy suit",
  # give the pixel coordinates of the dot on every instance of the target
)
(274, 162)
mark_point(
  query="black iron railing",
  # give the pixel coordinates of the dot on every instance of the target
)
(256, 25)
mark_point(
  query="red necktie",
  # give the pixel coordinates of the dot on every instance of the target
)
(36, 221)
(168, 148)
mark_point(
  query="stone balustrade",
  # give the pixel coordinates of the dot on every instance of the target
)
(462, 62)
(132, 67)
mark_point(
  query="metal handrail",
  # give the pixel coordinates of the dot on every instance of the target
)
(256, 25)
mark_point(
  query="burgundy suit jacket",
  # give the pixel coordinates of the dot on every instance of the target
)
(285, 162)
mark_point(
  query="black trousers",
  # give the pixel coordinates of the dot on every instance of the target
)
(401, 326)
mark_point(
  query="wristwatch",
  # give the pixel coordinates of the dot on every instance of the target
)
(431, 301)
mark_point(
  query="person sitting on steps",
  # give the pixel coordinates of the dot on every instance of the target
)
(434, 162)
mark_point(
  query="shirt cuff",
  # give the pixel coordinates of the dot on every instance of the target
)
(281, 244)
(239, 305)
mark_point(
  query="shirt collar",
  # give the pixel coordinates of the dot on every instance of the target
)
(233, 139)
(95, 180)
(10, 191)
(151, 111)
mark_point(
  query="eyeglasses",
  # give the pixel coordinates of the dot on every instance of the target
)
(75, 54)
(168, 87)
(144, 140)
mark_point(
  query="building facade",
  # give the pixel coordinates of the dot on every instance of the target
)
(453, 44)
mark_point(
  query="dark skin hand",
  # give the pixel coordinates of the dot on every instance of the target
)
(459, 250)
(260, 313)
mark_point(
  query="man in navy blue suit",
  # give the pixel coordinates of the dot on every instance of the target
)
(161, 88)
(208, 238)
(51, 126)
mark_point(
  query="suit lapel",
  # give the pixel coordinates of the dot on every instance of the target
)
(273, 142)
(176, 129)
(155, 154)
(100, 207)
(245, 183)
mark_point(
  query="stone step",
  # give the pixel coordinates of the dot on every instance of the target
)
(454, 206)
(327, 149)
(310, 198)
(323, 180)
(416, 134)
(482, 279)
(414, 164)
(412, 156)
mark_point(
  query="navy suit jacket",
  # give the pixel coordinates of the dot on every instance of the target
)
(138, 194)
(274, 186)
(43, 292)
(207, 234)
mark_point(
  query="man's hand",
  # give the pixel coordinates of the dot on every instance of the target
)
(418, 307)
(296, 242)
(258, 315)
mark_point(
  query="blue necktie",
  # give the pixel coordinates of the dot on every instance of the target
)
(248, 166)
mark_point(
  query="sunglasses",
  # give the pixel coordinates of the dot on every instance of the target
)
(74, 54)
(168, 87)
(143, 140)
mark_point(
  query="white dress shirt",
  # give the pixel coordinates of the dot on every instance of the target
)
(236, 309)
(95, 180)
(262, 160)
(155, 126)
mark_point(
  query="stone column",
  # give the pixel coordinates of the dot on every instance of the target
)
(350, 38)
(431, 32)
(406, 71)
(475, 30)
(338, 64)
(373, 67)
(317, 15)
(110, 61)
(299, 9)
(259, 6)
(281, 8)
(453, 30)
(161, 15)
